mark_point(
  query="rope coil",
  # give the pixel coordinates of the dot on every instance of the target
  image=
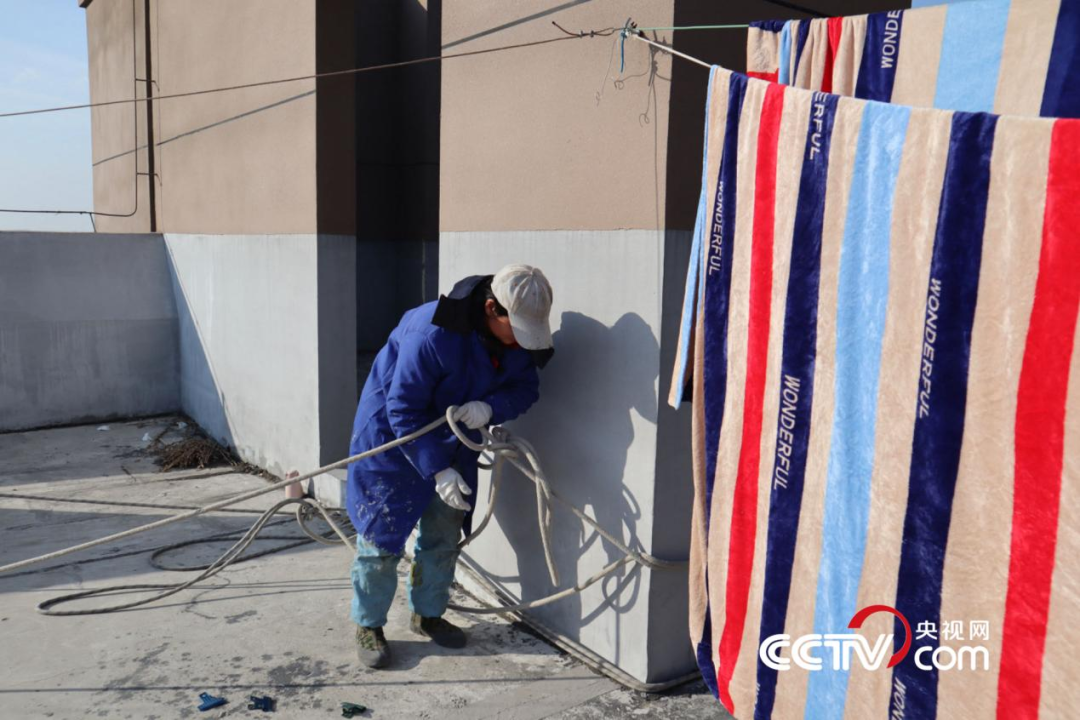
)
(502, 445)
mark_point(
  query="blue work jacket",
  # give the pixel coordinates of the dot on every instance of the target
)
(433, 359)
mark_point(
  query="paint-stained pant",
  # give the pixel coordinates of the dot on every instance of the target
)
(374, 571)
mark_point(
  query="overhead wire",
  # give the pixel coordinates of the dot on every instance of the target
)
(567, 35)
(316, 76)
(135, 100)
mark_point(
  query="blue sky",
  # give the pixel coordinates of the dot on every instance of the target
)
(44, 159)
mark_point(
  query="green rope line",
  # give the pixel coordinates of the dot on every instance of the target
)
(698, 27)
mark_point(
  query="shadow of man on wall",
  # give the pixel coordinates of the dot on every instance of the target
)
(583, 430)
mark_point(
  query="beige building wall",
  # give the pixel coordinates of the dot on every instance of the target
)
(527, 144)
(238, 162)
(114, 42)
(526, 141)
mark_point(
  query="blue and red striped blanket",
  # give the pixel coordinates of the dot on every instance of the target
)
(879, 333)
(1016, 57)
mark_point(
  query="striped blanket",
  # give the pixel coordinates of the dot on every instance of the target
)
(879, 328)
(1017, 57)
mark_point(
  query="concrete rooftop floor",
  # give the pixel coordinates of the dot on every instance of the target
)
(276, 625)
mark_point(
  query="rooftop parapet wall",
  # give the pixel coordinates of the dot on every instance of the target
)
(267, 331)
(252, 336)
(88, 329)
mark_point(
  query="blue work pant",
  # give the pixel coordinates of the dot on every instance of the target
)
(374, 571)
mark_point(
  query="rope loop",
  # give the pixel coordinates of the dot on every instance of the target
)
(498, 442)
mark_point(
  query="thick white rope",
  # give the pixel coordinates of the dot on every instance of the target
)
(221, 504)
(510, 448)
(501, 443)
(165, 590)
(499, 439)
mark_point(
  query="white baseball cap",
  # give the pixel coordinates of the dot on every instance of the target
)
(526, 294)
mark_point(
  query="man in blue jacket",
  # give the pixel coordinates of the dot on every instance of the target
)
(477, 348)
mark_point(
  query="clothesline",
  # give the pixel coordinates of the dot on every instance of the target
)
(738, 26)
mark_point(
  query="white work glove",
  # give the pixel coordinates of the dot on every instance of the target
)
(451, 488)
(475, 414)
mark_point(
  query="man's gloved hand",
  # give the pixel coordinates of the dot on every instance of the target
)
(452, 488)
(475, 414)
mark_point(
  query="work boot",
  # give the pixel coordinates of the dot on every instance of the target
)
(443, 633)
(371, 647)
